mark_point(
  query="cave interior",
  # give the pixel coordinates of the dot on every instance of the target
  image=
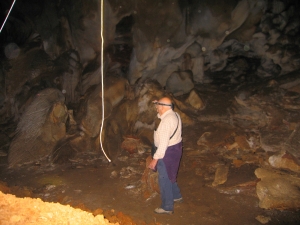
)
(78, 78)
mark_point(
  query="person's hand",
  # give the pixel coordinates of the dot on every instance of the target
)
(152, 164)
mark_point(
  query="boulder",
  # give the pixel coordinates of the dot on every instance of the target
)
(284, 160)
(277, 190)
(132, 145)
(194, 100)
(41, 126)
(150, 180)
(273, 141)
(220, 175)
(263, 219)
(180, 82)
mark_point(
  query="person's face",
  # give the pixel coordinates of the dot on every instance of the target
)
(159, 108)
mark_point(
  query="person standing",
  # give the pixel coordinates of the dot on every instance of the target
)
(168, 142)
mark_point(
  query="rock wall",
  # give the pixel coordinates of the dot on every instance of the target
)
(176, 43)
(58, 44)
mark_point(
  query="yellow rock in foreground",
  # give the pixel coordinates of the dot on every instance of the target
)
(21, 211)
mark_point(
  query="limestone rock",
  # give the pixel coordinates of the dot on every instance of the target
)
(273, 141)
(27, 66)
(277, 190)
(180, 83)
(263, 219)
(41, 126)
(131, 144)
(194, 100)
(216, 137)
(71, 118)
(150, 178)
(220, 175)
(285, 160)
(240, 142)
(115, 89)
(22, 210)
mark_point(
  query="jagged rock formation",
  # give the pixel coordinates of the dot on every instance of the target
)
(41, 126)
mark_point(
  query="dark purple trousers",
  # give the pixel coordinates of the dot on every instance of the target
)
(172, 160)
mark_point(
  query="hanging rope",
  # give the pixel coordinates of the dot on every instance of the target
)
(102, 82)
(7, 15)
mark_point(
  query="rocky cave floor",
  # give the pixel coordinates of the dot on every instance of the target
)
(90, 182)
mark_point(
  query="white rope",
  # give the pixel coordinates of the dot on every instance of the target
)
(102, 82)
(7, 15)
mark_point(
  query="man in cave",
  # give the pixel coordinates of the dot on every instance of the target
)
(168, 152)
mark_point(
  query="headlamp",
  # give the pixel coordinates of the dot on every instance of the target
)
(159, 103)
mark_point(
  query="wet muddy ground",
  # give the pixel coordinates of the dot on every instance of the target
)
(90, 182)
